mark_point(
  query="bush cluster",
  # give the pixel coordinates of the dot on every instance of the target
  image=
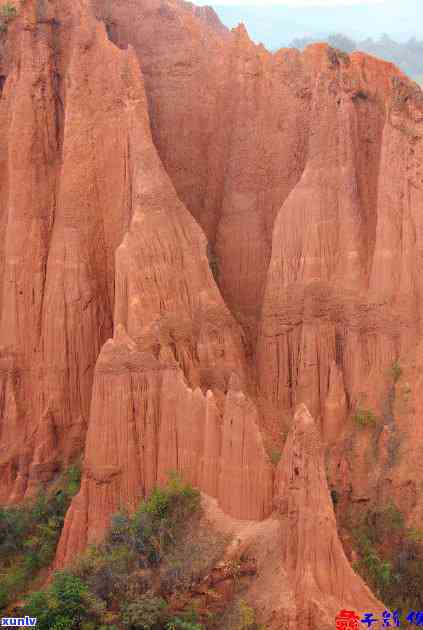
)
(7, 13)
(29, 534)
(391, 558)
(275, 456)
(407, 55)
(396, 371)
(131, 579)
(241, 616)
(364, 417)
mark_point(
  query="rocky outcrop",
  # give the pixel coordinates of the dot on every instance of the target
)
(322, 579)
(303, 576)
(153, 409)
(65, 207)
(196, 237)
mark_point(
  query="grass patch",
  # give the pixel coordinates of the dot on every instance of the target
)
(416, 535)
(275, 456)
(396, 371)
(364, 417)
(240, 616)
(29, 534)
(213, 261)
(8, 12)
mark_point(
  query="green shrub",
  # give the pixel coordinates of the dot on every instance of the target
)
(192, 555)
(382, 523)
(145, 614)
(393, 518)
(127, 581)
(240, 616)
(334, 497)
(376, 571)
(391, 557)
(157, 538)
(29, 535)
(7, 13)
(12, 581)
(14, 524)
(72, 477)
(177, 623)
(65, 604)
(186, 620)
(213, 261)
(364, 417)
(247, 614)
(157, 522)
(275, 456)
(415, 535)
(121, 528)
(396, 371)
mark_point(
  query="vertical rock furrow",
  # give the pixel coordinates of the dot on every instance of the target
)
(321, 576)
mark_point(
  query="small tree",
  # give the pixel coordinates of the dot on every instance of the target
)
(144, 614)
(62, 605)
(8, 11)
(364, 417)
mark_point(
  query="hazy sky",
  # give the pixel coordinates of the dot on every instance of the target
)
(277, 22)
(292, 3)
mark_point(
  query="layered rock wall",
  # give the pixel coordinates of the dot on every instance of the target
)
(321, 576)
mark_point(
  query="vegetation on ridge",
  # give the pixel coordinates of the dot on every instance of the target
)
(396, 371)
(29, 534)
(275, 456)
(364, 417)
(408, 56)
(149, 574)
(390, 557)
(7, 13)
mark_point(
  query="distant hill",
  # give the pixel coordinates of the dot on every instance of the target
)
(364, 27)
(277, 26)
(407, 55)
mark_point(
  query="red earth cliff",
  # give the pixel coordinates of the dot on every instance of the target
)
(199, 238)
